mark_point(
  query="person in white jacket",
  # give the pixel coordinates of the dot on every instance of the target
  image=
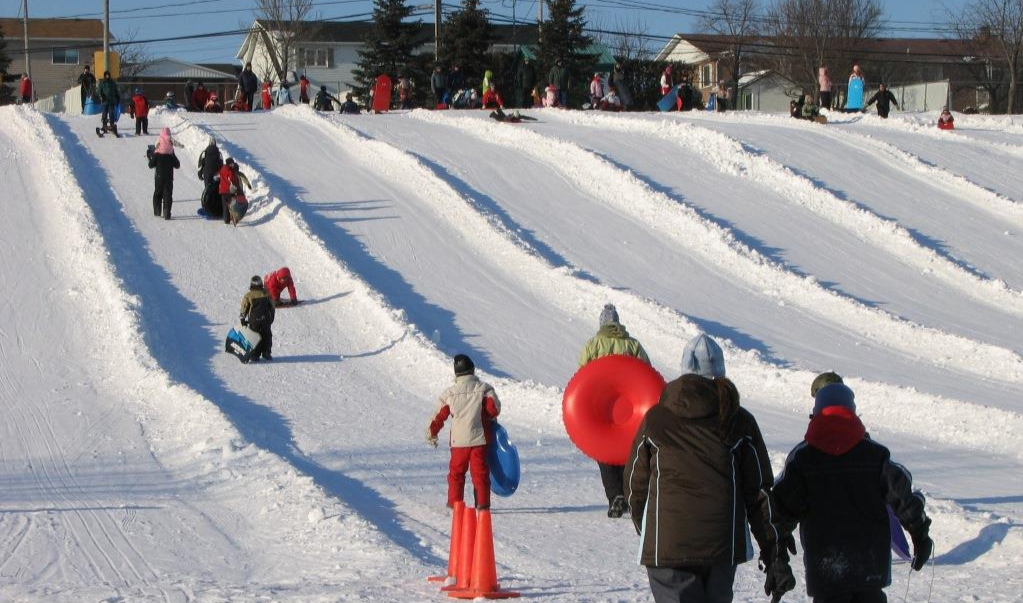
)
(473, 405)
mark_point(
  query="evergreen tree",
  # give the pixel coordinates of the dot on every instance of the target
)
(388, 47)
(5, 62)
(562, 38)
(466, 40)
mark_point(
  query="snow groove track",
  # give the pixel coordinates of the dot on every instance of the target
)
(717, 246)
(868, 226)
(665, 331)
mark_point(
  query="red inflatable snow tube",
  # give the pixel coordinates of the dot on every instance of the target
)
(604, 404)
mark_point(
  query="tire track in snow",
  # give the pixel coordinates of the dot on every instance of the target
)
(717, 246)
(888, 235)
(950, 421)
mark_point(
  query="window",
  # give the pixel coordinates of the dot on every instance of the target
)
(65, 56)
(317, 57)
(705, 78)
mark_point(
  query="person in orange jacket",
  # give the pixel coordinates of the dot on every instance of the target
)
(303, 89)
(276, 282)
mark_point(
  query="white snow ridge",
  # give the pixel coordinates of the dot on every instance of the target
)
(142, 463)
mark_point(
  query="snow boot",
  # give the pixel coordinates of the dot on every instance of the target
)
(617, 507)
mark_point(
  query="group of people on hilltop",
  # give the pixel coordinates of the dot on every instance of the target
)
(699, 475)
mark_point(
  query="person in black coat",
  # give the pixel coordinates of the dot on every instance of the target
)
(884, 99)
(210, 162)
(697, 475)
(837, 486)
(456, 80)
(349, 107)
(164, 161)
(249, 84)
(525, 81)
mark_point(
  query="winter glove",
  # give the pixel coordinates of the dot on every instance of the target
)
(923, 546)
(779, 579)
(786, 543)
(430, 438)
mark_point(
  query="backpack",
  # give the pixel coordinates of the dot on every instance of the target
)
(261, 313)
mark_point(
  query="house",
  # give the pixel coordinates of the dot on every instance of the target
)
(766, 91)
(709, 56)
(58, 50)
(330, 54)
(910, 64)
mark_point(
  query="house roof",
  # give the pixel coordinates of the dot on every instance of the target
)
(174, 69)
(55, 29)
(937, 50)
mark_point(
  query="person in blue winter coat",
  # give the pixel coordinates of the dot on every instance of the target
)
(698, 474)
(837, 486)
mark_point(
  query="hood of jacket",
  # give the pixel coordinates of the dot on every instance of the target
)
(691, 397)
(613, 330)
(835, 431)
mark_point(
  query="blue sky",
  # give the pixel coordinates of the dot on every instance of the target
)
(167, 18)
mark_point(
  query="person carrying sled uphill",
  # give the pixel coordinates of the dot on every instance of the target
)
(945, 120)
(164, 161)
(110, 97)
(472, 406)
(257, 313)
(231, 186)
(837, 486)
(612, 339)
(276, 282)
(884, 99)
(697, 474)
(139, 109)
(88, 83)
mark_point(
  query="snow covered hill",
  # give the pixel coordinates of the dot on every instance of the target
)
(141, 463)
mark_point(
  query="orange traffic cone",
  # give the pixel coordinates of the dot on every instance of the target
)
(484, 569)
(463, 572)
(456, 540)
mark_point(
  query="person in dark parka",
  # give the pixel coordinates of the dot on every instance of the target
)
(525, 81)
(210, 162)
(884, 99)
(257, 312)
(249, 84)
(837, 485)
(164, 161)
(697, 475)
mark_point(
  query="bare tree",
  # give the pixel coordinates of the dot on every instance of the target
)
(135, 56)
(285, 24)
(993, 30)
(806, 34)
(627, 38)
(738, 22)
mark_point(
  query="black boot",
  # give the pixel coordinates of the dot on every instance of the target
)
(617, 507)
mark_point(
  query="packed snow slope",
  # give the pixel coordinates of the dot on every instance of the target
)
(144, 464)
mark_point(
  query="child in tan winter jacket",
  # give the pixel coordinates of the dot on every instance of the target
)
(473, 405)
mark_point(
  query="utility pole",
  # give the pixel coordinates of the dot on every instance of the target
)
(436, 29)
(28, 63)
(539, 13)
(106, 36)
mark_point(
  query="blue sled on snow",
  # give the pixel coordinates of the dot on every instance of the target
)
(503, 461)
(240, 343)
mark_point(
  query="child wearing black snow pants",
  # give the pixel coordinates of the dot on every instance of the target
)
(837, 485)
(164, 161)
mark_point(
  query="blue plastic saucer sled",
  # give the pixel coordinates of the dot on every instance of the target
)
(503, 460)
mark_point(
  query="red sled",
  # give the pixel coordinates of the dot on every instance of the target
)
(382, 94)
(441, 106)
